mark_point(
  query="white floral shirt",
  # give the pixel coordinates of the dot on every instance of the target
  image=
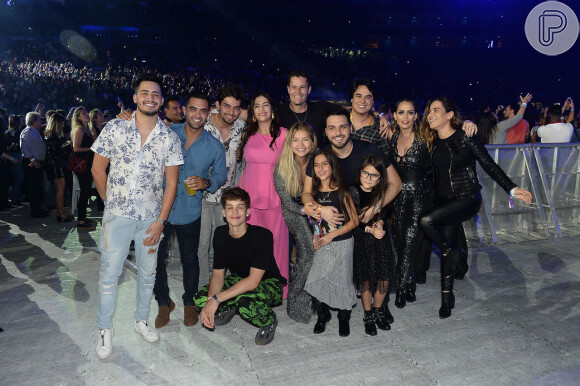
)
(231, 146)
(135, 181)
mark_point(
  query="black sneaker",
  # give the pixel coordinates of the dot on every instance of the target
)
(224, 317)
(265, 334)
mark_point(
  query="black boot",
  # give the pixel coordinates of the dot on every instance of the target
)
(381, 319)
(401, 298)
(344, 322)
(369, 321)
(447, 297)
(452, 258)
(463, 267)
(323, 317)
(385, 310)
(410, 293)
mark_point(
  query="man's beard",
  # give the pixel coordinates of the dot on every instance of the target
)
(343, 144)
(148, 113)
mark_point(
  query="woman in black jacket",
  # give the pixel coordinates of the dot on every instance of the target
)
(458, 199)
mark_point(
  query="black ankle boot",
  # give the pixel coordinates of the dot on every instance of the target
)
(344, 322)
(386, 312)
(400, 298)
(381, 319)
(410, 293)
(369, 321)
(324, 316)
(447, 297)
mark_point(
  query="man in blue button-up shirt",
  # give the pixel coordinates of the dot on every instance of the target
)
(204, 170)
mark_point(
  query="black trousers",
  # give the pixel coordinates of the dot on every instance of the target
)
(33, 179)
(442, 222)
(86, 184)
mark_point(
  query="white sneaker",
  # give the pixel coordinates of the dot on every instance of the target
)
(146, 331)
(105, 343)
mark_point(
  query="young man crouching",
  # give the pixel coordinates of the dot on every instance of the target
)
(255, 284)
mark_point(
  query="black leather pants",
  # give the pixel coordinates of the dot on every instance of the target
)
(442, 222)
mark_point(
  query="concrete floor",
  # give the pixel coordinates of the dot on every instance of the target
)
(516, 321)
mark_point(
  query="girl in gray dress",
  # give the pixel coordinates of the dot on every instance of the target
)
(330, 278)
(289, 175)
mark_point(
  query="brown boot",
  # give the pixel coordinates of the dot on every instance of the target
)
(163, 315)
(189, 316)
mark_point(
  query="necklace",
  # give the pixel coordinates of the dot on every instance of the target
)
(305, 114)
(368, 124)
(324, 198)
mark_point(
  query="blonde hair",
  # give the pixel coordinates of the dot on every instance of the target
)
(288, 168)
(77, 124)
(93, 120)
(54, 125)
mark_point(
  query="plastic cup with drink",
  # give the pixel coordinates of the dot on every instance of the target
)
(190, 191)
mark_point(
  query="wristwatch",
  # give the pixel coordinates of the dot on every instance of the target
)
(162, 222)
(208, 183)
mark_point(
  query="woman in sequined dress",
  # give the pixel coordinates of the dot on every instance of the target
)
(410, 155)
(299, 145)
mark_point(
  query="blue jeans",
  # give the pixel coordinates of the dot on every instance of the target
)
(116, 235)
(188, 240)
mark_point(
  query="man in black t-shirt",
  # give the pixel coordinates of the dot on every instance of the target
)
(299, 109)
(255, 284)
(350, 154)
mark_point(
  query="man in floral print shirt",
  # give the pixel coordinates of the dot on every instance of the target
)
(141, 153)
(226, 126)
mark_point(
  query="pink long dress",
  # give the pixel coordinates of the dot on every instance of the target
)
(265, 208)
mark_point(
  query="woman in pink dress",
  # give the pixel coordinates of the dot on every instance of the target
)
(262, 143)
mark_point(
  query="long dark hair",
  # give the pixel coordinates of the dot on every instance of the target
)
(379, 189)
(336, 180)
(252, 124)
(487, 125)
(456, 122)
(417, 128)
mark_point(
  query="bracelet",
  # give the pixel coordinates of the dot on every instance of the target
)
(216, 299)
(524, 104)
(319, 210)
(302, 210)
(377, 208)
(368, 229)
(513, 192)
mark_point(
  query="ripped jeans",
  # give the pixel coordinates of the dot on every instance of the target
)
(116, 235)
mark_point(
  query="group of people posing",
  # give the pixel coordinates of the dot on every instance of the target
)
(314, 173)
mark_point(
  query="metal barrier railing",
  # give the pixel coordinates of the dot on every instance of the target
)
(551, 173)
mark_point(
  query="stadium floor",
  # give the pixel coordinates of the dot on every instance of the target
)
(516, 321)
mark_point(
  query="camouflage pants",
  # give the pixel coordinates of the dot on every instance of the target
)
(253, 306)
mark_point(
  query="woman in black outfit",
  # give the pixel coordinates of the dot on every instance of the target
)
(54, 165)
(457, 196)
(82, 139)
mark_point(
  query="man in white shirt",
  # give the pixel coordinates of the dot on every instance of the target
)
(556, 131)
(142, 153)
(33, 151)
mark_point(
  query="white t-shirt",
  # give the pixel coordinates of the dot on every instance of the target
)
(556, 132)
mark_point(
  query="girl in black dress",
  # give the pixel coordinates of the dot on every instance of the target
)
(373, 252)
(56, 155)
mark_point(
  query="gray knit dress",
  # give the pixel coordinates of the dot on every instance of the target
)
(299, 302)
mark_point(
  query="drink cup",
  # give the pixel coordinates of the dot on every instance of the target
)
(190, 191)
